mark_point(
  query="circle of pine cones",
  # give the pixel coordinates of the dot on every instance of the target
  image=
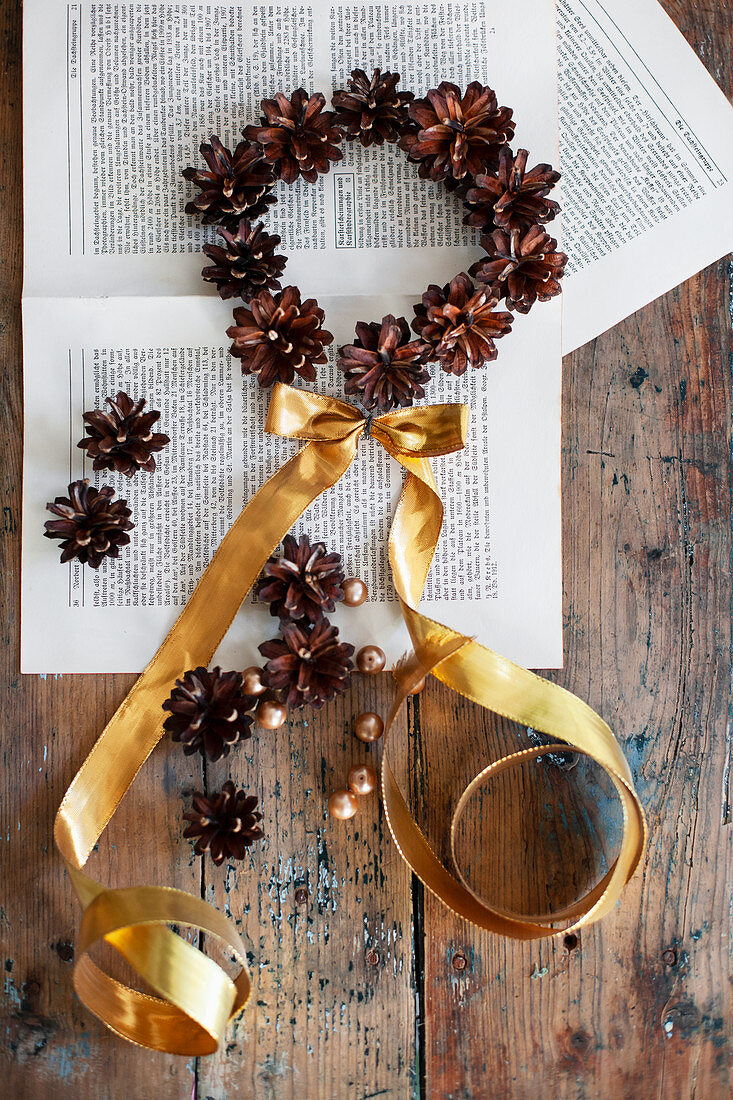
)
(456, 137)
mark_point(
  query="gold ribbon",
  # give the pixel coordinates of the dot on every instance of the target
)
(196, 996)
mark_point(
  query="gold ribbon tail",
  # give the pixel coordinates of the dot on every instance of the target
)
(509, 690)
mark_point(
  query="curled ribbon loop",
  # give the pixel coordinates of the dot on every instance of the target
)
(196, 996)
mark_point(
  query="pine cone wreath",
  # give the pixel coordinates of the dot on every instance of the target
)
(513, 198)
(237, 184)
(308, 663)
(460, 324)
(91, 525)
(209, 712)
(247, 263)
(277, 338)
(371, 109)
(522, 269)
(384, 366)
(304, 582)
(459, 133)
(122, 439)
(224, 825)
(297, 136)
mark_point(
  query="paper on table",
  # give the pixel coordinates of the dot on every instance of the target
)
(646, 143)
(128, 91)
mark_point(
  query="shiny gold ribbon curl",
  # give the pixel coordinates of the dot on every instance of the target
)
(196, 997)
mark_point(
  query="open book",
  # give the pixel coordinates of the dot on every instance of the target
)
(117, 100)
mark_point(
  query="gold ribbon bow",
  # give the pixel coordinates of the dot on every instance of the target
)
(196, 996)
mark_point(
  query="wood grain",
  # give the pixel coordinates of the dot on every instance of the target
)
(363, 987)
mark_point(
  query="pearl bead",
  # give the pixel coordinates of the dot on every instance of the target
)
(370, 659)
(417, 688)
(368, 726)
(355, 592)
(343, 805)
(252, 681)
(271, 714)
(362, 779)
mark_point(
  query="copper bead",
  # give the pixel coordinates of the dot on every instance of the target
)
(252, 681)
(271, 714)
(371, 659)
(417, 688)
(355, 592)
(362, 779)
(343, 805)
(368, 726)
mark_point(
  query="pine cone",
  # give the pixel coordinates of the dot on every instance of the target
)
(513, 198)
(304, 582)
(91, 525)
(308, 663)
(225, 824)
(460, 323)
(277, 338)
(209, 712)
(521, 268)
(121, 440)
(297, 136)
(384, 365)
(247, 264)
(372, 109)
(458, 133)
(237, 184)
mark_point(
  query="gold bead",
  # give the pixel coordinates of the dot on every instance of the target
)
(343, 805)
(271, 714)
(370, 659)
(252, 681)
(362, 779)
(368, 726)
(355, 592)
(417, 688)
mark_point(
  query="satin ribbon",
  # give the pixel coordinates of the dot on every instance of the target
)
(196, 997)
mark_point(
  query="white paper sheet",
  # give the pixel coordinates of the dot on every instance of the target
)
(113, 298)
(646, 143)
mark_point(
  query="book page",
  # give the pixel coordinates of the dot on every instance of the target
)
(130, 91)
(646, 142)
(497, 572)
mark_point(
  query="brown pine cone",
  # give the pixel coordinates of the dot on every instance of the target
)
(372, 109)
(308, 663)
(304, 582)
(459, 133)
(460, 324)
(209, 712)
(247, 263)
(225, 824)
(277, 338)
(237, 184)
(92, 525)
(121, 440)
(297, 136)
(513, 198)
(522, 269)
(384, 365)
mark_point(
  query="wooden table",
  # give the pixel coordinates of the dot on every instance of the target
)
(364, 986)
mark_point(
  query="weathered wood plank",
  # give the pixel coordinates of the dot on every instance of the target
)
(332, 1011)
(648, 591)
